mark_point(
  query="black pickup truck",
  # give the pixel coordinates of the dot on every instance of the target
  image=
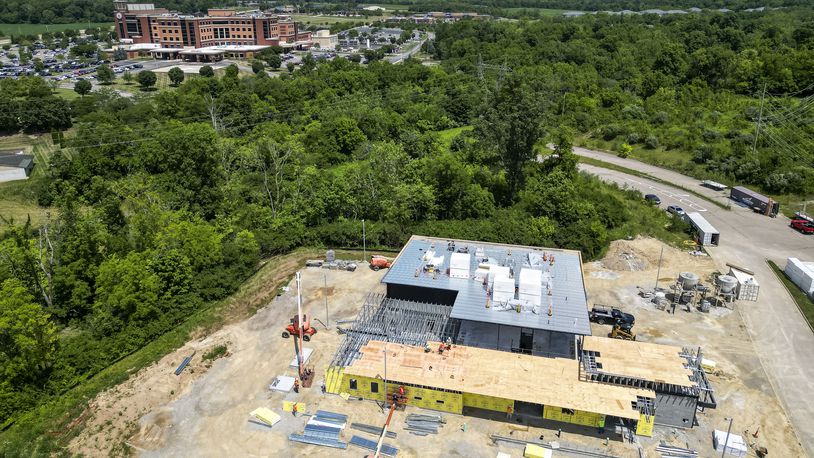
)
(603, 314)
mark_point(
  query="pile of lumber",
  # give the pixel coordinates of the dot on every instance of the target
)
(670, 451)
(424, 424)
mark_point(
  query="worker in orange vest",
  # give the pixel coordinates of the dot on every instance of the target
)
(294, 409)
(296, 385)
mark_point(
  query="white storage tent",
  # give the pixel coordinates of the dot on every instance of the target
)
(802, 274)
(459, 264)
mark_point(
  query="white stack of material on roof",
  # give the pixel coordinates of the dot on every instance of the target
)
(428, 255)
(530, 289)
(503, 289)
(802, 274)
(459, 265)
(546, 280)
(481, 273)
(437, 262)
(735, 445)
(497, 271)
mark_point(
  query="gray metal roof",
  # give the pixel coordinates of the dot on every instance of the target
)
(569, 302)
(15, 159)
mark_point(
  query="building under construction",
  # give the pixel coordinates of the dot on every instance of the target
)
(467, 326)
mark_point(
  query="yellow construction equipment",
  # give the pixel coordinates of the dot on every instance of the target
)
(624, 333)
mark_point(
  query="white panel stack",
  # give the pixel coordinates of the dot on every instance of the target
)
(459, 264)
(802, 274)
(735, 445)
(497, 271)
(531, 290)
(503, 289)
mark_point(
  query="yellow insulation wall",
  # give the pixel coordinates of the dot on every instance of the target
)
(578, 417)
(487, 402)
(645, 425)
(420, 397)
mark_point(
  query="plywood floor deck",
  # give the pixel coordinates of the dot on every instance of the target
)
(547, 381)
(642, 360)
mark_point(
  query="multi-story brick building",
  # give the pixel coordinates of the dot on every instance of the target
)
(144, 23)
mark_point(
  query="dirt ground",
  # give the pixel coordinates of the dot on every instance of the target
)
(742, 389)
(205, 410)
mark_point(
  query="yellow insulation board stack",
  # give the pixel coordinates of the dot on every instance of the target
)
(487, 402)
(333, 379)
(577, 417)
(645, 425)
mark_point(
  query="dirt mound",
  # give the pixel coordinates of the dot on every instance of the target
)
(623, 256)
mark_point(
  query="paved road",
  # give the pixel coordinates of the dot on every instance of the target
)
(412, 51)
(782, 339)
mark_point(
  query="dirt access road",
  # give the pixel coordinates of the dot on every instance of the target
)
(782, 339)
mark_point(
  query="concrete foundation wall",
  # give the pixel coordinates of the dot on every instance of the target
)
(673, 410)
(12, 174)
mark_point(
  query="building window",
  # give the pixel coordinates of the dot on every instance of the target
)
(374, 387)
(439, 401)
(568, 411)
(352, 384)
(417, 398)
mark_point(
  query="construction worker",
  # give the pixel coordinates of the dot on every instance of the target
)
(296, 385)
(601, 424)
(509, 411)
(401, 394)
(294, 409)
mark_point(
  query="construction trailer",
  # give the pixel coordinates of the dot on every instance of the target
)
(802, 274)
(755, 201)
(705, 233)
(506, 297)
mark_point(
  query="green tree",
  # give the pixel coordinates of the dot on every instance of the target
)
(274, 61)
(127, 77)
(232, 71)
(257, 66)
(512, 125)
(104, 74)
(206, 71)
(146, 79)
(28, 341)
(176, 76)
(82, 87)
(126, 291)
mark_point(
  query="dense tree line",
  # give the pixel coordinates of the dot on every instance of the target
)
(687, 86)
(162, 203)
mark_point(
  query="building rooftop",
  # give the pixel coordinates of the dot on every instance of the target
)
(640, 360)
(15, 158)
(559, 303)
(546, 381)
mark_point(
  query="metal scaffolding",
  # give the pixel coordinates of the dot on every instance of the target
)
(393, 320)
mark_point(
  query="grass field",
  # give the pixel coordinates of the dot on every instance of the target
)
(804, 303)
(540, 11)
(67, 94)
(324, 20)
(31, 29)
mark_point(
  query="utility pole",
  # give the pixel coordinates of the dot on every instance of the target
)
(658, 272)
(299, 324)
(325, 279)
(759, 120)
(726, 442)
(364, 242)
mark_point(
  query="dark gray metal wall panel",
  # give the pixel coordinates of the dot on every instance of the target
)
(673, 410)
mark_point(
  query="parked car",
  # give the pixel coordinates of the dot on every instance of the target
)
(802, 226)
(676, 210)
(652, 198)
(603, 314)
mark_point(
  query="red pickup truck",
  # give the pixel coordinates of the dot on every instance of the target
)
(804, 226)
